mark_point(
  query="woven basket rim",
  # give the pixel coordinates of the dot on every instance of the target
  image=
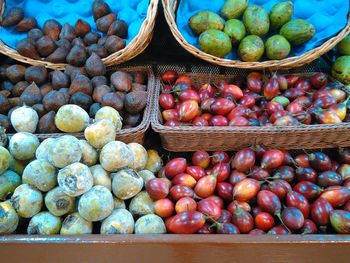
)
(170, 7)
(134, 48)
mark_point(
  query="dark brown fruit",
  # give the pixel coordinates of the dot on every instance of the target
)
(54, 100)
(15, 102)
(15, 73)
(114, 44)
(105, 22)
(37, 74)
(99, 92)
(19, 88)
(31, 95)
(59, 80)
(121, 95)
(139, 77)
(64, 43)
(47, 123)
(132, 119)
(39, 108)
(5, 122)
(138, 87)
(4, 104)
(65, 92)
(78, 72)
(101, 51)
(100, 9)
(77, 56)
(99, 81)
(94, 66)
(35, 34)
(52, 28)
(45, 46)
(113, 100)
(102, 41)
(67, 32)
(82, 28)
(46, 88)
(58, 56)
(78, 41)
(118, 28)
(81, 100)
(82, 84)
(93, 109)
(69, 69)
(3, 72)
(91, 38)
(13, 17)
(26, 48)
(6, 85)
(26, 24)
(121, 81)
(135, 102)
(6, 93)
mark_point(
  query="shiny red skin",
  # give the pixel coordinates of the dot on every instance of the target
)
(184, 179)
(219, 157)
(172, 123)
(206, 229)
(303, 84)
(166, 101)
(209, 208)
(185, 204)
(188, 222)
(264, 221)
(329, 178)
(218, 120)
(225, 216)
(169, 76)
(254, 82)
(308, 189)
(235, 177)
(200, 121)
(294, 199)
(233, 206)
(286, 121)
(304, 101)
(222, 170)
(280, 188)
(291, 79)
(196, 172)
(247, 101)
(336, 197)
(285, 172)
(183, 79)
(166, 88)
(346, 184)
(205, 186)
(206, 104)
(257, 231)
(269, 202)
(344, 171)
(320, 162)
(243, 220)
(239, 122)
(189, 94)
(324, 102)
(157, 188)
(221, 106)
(178, 191)
(278, 230)
(302, 160)
(282, 82)
(217, 200)
(244, 160)
(224, 190)
(293, 93)
(304, 118)
(277, 115)
(272, 159)
(306, 174)
(320, 212)
(288, 159)
(347, 206)
(201, 159)
(188, 110)
(273, 106)
(207, 116)
(294, 108)
(232, 92)
(293, 218)
(319, 80)
(204, 94)
(271, 88)
(227, 228)
(171, 115)
(309, 227)
(175, 166)
(239, 111)
(164, 208)
(246, 189)
(256, 210)
(259, 173)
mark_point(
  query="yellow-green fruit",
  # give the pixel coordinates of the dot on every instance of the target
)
(59, 203)
(205, 20)
(235, 29)
(140, 156)
(8, 218)
(9, 181)
(154, 162)
(27, 200)
(277, 47)
(142, 204)
(150, 224)
(116, 155)
(24, 119)
(215, 42)
(126, 184)
(280, 14)
(5, 158)
(74, 224)
(90, 155)
(256, 20)
(109, 113)
(341, 69)
(100, 133)
(284, 101)
(17, 166)
(44, 223)
(234, 8)
(42, 151)
(146, 175)
(101, 176)
(120, 221)
(23, 146)
(251, 49)
(118, 203)
(344, 46)
(71, 118)
(298, 31)
(40, 174)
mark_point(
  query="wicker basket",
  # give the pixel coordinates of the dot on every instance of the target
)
(170, 7)
(135, 134)
(190, 138)
(134, 48)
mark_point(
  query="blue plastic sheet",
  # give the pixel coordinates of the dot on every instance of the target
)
(133, 12)
(328, 16)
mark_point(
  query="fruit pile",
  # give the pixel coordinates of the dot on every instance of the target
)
(217, 37)
(58, 44)
(341, 67)
(281, 100)
(255, 192)
(45, 93)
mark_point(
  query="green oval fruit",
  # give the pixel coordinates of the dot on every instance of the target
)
(8, 218)
(344, 46)
(281, 100)
(340, 221)
(234, 8)
(235, 29)
(341, 69)
(44, 223)
(215, 42)
(277, 47)
(256, 20)
(4, 159)
(251, 49)
(205, 20)
(9, 181)
(298, 31)
(280, 14)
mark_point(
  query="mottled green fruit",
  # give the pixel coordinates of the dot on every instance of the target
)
(9, 181)
(120, 221)
(44, 223)
(4, 159)
(150, 224)
(215, 42)
(142, 204)
(277, 47)
(74, 224)
(281, 100)
(280, 14)
(27, 200)
(40, 174)
(8, 218)
(341, 69)
(234, 8)
(344, 46)
(235, 29)
(251, 49)
(298, 31)
(23, 146)
(256, 20)
(59, 203)
(205, 20)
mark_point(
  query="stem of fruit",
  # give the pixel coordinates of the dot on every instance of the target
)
(278, 214)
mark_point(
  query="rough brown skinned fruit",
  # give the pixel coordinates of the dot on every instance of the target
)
(19, 88)
(54, 100)
(5, 122)
(99, 81)
(37, 74)
(121, 81)
(113, 100)
(47, 123)
(26, 24)
(4, 104)
(100, 9)
(94, 66)
(59, 80)
(139, 77)
(105, 22)
(101, 51)
(77, 56)
(121, 95)
(133, 119)
(65, 92)
(82, 84)
(46, 88)
(82, 28)
(35, 34)
(93, 109)
(64, 43)
(58, 56)
(135, 102)
(81, 100)
(15, 73)
(114, 44)
(91, 38)
(102, 41)
(13, 17)
(6, 85)
(26, 48)
(45, 46)
(138, 87)
(100, 91)
(67, 32)
(6, 93)
(52, 28)
(77, 72)
(40, 109)
(31, 95)
(78, 41)
(118, 28)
